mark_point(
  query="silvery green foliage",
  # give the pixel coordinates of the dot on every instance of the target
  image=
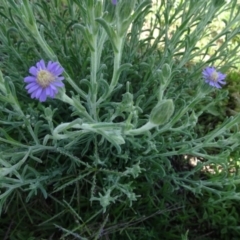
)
(130, 104)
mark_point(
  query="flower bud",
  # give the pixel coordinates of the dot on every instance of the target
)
(124, 10)
(166, 71)
(162, 112)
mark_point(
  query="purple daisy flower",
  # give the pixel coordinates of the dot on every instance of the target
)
(213, 78)
(114, 2)
(45, 80)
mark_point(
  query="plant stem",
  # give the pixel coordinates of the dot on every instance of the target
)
(146, 127)
(117, 62)
(94, 85)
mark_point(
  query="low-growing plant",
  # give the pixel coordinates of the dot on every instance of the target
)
(103, 128)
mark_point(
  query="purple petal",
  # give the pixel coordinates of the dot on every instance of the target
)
(221, 76)
(60, 78)
(217, 85)
(49, 64)
(53, 66)
(53, 93)
(38, 92)
(58, 84)
(31, 85)
(214, 84)
(33, 70)
(53, 87)
(58, 71)
(50, 92)
(41, 65)
(211, 83)
(33, 89)
(43, 96)
(221, 81)
(29, 79)
(33, 95)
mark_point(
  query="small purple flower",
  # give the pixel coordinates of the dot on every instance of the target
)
(114, 2)
(45, 80)
(213, 78)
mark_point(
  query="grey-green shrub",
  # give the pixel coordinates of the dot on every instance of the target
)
(99, 150)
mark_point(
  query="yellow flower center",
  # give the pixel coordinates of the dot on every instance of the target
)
(214, 76)
(44, 78)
